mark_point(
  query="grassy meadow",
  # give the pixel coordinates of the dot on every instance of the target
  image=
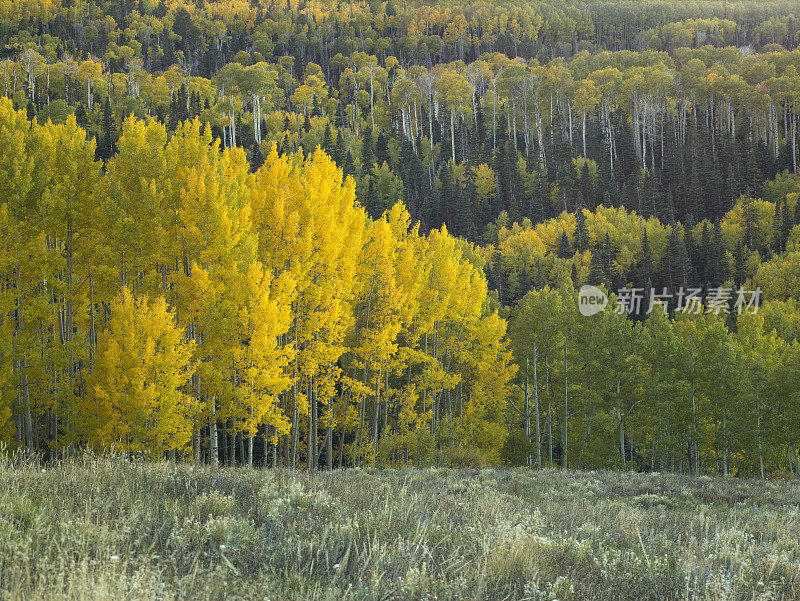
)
(97, 528)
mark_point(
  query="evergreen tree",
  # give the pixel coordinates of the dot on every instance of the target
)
(446, 195)
(257, 158)
(372, 203)
(108, 141)
(468, 226)
(349, 167)
(587, 196)
(751, 233)
(645, 275)
(705, 258)
(327, 142)
(367, 154)
(740, 264)
(80, 115)
(340, 154)
(382, 149)
(182, 104)
(564, 247)
(581, 235)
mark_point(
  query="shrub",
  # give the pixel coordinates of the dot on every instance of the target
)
(459, 456)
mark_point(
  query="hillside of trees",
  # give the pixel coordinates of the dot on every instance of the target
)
(325, 233)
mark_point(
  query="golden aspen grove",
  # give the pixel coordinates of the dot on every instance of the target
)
(173, 302)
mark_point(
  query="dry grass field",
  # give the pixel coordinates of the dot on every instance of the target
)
(105, 528)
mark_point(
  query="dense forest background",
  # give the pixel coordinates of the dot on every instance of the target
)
(354, 232)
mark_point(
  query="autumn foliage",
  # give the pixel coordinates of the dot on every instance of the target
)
(174, 302)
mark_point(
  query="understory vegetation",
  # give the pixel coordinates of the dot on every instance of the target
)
(94, 528)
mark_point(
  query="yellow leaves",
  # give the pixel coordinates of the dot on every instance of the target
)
(586, 97)
(68, 175)
(214, 214)
(247, 284)
(779, 278)
(264, 315)
(141, 363)
(314, 233)
(16, 166)
(137, 214)
(734, 223)
(485, 184)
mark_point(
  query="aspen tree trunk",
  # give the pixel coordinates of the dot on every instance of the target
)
(376, 408)
(341, 445)
(312, 427)
(569, 109)
(329, 446)
(274, 445)
(287, 442)
(724, 444)
(30, 441)
(453, 134)
(92, 330)
(693, 445)
(584, 135)
(309, 443)
(358, 443)
(68, 316)
(536, 405)
(270, 446)
(549, 413)
(371, 101)
(758, 426)
(621, 429)
(213, 435)
(430, 118)
(196, 438)
(566, 410)
(23, 413)
(514, 110)
(386, 403)
(527, 407)
(17, 409)
(295, 434)
(231, 436)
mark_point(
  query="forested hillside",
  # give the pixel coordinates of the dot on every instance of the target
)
(327, 233)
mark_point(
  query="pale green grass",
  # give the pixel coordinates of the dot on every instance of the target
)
(103, 528)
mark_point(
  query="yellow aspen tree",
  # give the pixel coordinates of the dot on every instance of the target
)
(390, 282)
(16, 181)
(264, 315)
(66, 214)
(7, 392)
(313, 229)
(141, 251)
(451, 302)
(142, 363)
(217, 245)
(488, 370)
